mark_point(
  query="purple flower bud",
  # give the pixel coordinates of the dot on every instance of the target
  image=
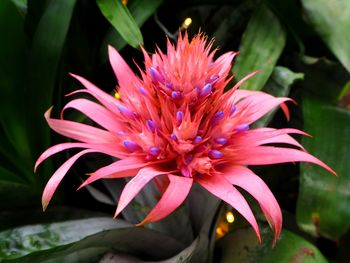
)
(242, 127)
(213, 79)
(217, 117)
(179, 117)
(220, 140)
(206, 90)
(125, 111)
(155, 151)
(151, 126)
(156, 75)
(121, 133)
(176, 95)
(142, 91)
(131, 146)
(215, 154)
(173, 136)
(233, 110)
(197, 139)
(188, 159)
(169, 85)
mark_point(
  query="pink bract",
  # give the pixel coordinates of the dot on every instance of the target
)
(176, 120)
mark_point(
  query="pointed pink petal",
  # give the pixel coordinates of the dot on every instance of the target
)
(254, 107)
(96, 112)
(121, 168)
(122, 71)
(225, 62)
(135, 185)
(173, 197)
(243, 177)
(235, 95)
(79, 131)
(262, 136)
(282, 139)
(56, 149)
(109, 149)
(57, 177)
(263, 155)
(107, 100)
(220, 187)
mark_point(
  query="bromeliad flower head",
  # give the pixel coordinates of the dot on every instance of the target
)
(175, 120)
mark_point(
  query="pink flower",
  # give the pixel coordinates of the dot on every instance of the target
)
(175, 120)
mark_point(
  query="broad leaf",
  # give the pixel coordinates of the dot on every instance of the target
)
(24, 240)
(242, 246)
(74, 241)
(122, 21)
(260, 48)
(13, 55)
(331, 20)
(323, 205)
(42, 73)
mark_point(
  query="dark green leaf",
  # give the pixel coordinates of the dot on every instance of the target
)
(331, 19)
(21, 6)
(141, 10)
(260, 48)
(121, 19)
(242, 246)
(323, 205)
(27, 216)
(45, 56)
(22, 241)
(13, 56)
(139, 242)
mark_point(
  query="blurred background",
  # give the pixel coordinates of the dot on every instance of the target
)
(302, 49)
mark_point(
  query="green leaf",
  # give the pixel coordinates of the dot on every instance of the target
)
(260, 48)
(71, 241)
(323, 206)
(241, 245)
(13, 56)
(331, 20)
(22, 241)
(21, 6)
(44, 67)
(28, 216)
(141, 10)
(121, 19)
(14, 191)
(279, 84)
